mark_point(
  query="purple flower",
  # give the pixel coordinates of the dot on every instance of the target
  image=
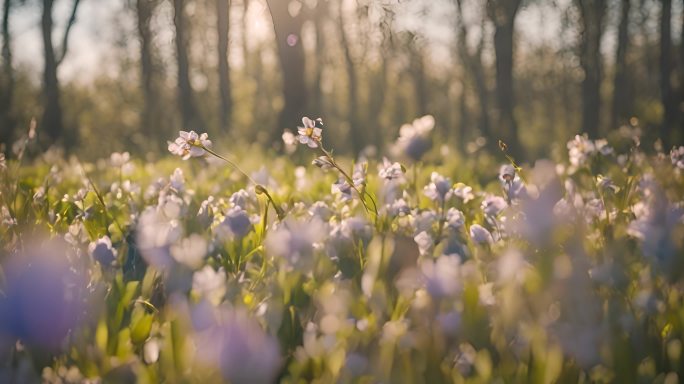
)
(43, 299)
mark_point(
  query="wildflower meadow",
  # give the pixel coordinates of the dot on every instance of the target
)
(417, 265)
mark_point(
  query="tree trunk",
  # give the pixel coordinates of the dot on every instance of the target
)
(145, 9)
(52, 122)
(52, 113)
(621, 88)
(417, 68)
(190, 116)
(356, 136)
(223, 26)
(591, 14)
(472, 62)
(245, 45)
(7, 122)
(667, 95)
(291, 56)
(503, 13)
(319, 20)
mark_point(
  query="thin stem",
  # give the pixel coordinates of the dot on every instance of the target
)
(259, 187)
(232, 164)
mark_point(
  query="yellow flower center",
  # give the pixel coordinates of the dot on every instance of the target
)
(309, 131)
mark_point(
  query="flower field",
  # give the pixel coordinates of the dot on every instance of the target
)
(413, 265)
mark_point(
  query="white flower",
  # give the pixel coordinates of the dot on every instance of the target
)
(602, 147)
(480, 234)
(463, 192)
(210, 284)
(119, 159)
(177, 180)
(190, 251)
(506, 173)
(425, 243)
(3, 162)
(414, 139)
(390, 171)
(151, 351)
(580, 149)
(293, 240)
(493, 205)
(6, 217)
(189, 144)
(290, 141)
(155, 233)
(399, 207)
(309, 134)
(605, 182)
(676, 155)
(455, 219)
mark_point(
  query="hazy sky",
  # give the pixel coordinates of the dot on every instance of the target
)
(99, 22)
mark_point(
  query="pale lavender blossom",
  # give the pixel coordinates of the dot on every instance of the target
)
(236, 224)
(190, 251)
(156, 232)
(293, 241)
(463, 192)
(439, 190)
(43, 298)
(480, 235)
(290, 141)
(603, 148)
(398, 207)
(310, 134)
(320, 210)
(390, 171)
(455, 219)
(507, 173)
(237, 345)
(210, 284)
(342, 189)
(323, 162)
(414, 139)
(493, 205)
(677, 157)
(442, 276)
(580, 149)
(248, 354)
(177, 180)
(190, 144)
(103, 251)
(425, 243)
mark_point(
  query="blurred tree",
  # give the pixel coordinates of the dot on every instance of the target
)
(378, 84)
(667, 95)
(502, 13)
(52, 122)
(288, 34)
(150, 113)
(417, 55)
(190, 115)
(7, 122)
(353, 119)
(592, 14)
(320, 17)
(622, 97)
(223, 28)
(472, 64)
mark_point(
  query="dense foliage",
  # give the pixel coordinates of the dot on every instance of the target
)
(430, 269)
